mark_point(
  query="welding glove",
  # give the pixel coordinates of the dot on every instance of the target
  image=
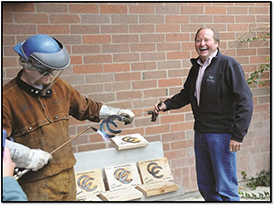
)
(24, 157)
(107, 111)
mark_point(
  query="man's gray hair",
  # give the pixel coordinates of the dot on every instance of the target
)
(216, 35)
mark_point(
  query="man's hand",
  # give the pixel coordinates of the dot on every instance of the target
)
(159, 108)
(37, 159)
(8, 164)
(234, 145)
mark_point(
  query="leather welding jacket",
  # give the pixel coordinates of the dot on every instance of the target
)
(42, 122)
(226, 102)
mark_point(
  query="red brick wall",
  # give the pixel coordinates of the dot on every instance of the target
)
(132, 55)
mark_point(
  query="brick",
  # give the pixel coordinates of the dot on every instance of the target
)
(53, 29)
(168, 46)
(128, 76)
(246, 52)
(126, 57)
(152, 38)
(169, 64)
(96, 39)
(141, 28)
(173, 136)
(192, 10)
(258, 10)
(154, 75)
(31, 18)
(115, 48)
(84, 8)
(76, 59)
(116, 67)
(169, 82)
(178, 72)
(103, 97)
(104, 58)
(215, 10)
(171, 118)
(152, 56)
(99, 78)
(129, 95)
(144, 84)
(17, 7)
(85, 49)
(85, 29)
(117, 86)
(237, 10)
(157, 129)
(224, 19)
(168, 9)
(182, 144)
(63, 18)
(178, 55)
(124, 19)
(143, 66)
(177, 37)
(142, 47)
(7, 18)
(245, 19)
(175, 154)
(10, 62)
(153, 19)
(113, 9)
(167, 28)
(90, 19)
(141, 9)
(237, 27)
(154, 93)
(19, 29)
(182, 126)
(114, 29)
(258, 59)
(125, 38)
(201, 19)
(87, 89)
(51, 8)
(8, 40)
(85, 69)
(171, 19)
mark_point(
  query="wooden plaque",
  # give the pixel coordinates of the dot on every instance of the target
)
(89, 182)
(130, 141)
(122, 176)
(158, 188)
(123, 194)
(156, 170)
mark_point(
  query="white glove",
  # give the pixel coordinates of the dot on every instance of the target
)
(24, 157)
(107, 111)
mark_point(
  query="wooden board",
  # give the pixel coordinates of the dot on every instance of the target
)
(89, 182)
(129, 141)
(156, 170)
(123, 194)
(158, 188)
(88, 197)
(121, 176)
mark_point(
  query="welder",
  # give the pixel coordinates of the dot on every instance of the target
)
(37, 105)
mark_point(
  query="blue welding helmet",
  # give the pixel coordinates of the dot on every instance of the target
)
(44, 52)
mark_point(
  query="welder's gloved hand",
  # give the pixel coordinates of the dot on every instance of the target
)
(107, 111)
(24, 157)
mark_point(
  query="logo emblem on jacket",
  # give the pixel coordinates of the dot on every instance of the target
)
(211, 79)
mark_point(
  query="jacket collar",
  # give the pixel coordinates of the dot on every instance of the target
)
(30, 89)
(194, 60)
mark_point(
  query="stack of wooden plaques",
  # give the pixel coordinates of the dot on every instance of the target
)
(156, 177)
(89, 184)
(130, 141)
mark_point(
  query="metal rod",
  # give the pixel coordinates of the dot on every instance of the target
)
(20, 174)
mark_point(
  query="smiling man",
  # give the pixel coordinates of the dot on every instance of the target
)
(222, 105)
